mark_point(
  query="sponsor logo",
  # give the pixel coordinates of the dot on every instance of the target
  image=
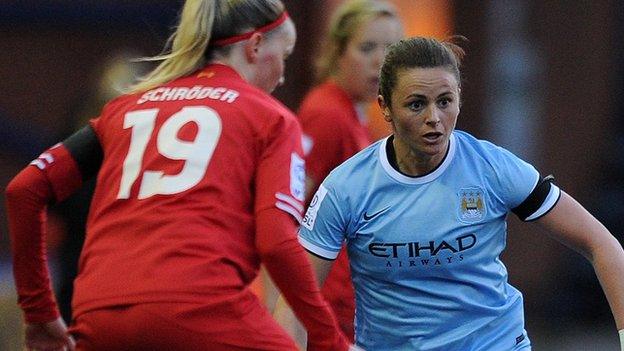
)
(471, 204)
(431, 253)
(368, 217)
(297, 176)
(519, 339)
(310, 217)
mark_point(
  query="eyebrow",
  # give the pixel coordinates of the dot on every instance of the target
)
(420, 96)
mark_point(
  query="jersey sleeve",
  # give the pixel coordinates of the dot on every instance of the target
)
(292, 272)
(522, 189)
(324, 225)
(280, 177)
(53, 176)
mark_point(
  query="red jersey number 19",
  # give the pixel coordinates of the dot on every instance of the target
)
(196, 153)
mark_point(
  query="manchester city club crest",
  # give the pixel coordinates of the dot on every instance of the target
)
(471, 204)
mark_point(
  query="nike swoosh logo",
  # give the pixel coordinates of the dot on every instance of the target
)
(368, 217)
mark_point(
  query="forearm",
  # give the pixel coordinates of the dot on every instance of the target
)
(289, 268)
(293, 275)
(608, 262)
(575, 227)
(284, 315)
(26, 199)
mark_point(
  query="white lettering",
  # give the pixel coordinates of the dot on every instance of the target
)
(197, 92)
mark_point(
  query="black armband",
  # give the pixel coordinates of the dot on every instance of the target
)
(86, 150)
(534, 206)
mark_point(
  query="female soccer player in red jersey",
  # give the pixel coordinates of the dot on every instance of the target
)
(333, 114)
(200, 178)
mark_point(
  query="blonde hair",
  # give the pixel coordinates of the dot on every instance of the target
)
(203, 21)
(344, 25)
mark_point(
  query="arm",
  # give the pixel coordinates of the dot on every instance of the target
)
(279, 193)
(55, 175)
(321, 267)
(284, 314)
(572, 225)
(286, 262)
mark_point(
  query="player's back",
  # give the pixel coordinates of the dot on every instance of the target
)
(172, 215)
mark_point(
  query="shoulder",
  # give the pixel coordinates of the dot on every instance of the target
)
(507, 174)
(324, 101)
(472, 147)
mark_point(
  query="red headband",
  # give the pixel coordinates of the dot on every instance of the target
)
(240, 37)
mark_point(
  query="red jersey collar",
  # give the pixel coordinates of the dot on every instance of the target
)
(218, 69)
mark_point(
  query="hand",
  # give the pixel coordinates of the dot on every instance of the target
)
(49, 336)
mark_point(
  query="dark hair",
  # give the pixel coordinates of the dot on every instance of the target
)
(419, 52)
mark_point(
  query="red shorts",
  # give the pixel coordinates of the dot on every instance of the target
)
(245, 325)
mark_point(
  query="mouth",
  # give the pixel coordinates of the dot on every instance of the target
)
(432, 137)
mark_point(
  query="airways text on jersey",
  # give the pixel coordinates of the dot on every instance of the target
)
(418, 254)
(197, 92)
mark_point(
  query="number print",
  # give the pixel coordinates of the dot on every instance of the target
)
(196, 153)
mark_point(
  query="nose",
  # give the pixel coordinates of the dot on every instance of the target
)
(432, 116)
(378, 58)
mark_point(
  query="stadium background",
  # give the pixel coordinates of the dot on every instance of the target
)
(542, 78)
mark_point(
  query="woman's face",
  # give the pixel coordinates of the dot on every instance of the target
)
(423, 112)
(359, 65)
(272, 55)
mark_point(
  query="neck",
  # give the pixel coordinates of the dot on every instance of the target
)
(414, 163)
(236, 61)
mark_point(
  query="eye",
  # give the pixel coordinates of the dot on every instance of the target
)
(367, 47)
(415, 105)
(444, 102)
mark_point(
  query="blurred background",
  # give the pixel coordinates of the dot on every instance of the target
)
(544, 79)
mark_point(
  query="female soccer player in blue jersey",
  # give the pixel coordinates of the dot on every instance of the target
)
(423, 213)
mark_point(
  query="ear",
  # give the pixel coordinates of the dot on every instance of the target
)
(252, 47)
(385, 109)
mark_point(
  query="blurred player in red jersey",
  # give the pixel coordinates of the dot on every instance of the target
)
(333, 114)
(200, 178)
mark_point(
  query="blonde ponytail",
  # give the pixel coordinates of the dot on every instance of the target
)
(188, 46)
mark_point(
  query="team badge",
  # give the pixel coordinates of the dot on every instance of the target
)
(471, 204)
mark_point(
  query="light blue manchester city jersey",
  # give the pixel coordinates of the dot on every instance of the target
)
(424, 251)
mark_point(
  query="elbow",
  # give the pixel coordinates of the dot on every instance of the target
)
(16, 189)
(606, 246)
(28, 186)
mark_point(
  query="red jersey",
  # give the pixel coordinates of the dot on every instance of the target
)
(186, 167)
(333, 133)
(332, 130)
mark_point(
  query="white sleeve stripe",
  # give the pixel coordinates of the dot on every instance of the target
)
(289, 209)
(47, 156)
(290, 200)
(549, 203)
(330, 255)
(40, 164)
